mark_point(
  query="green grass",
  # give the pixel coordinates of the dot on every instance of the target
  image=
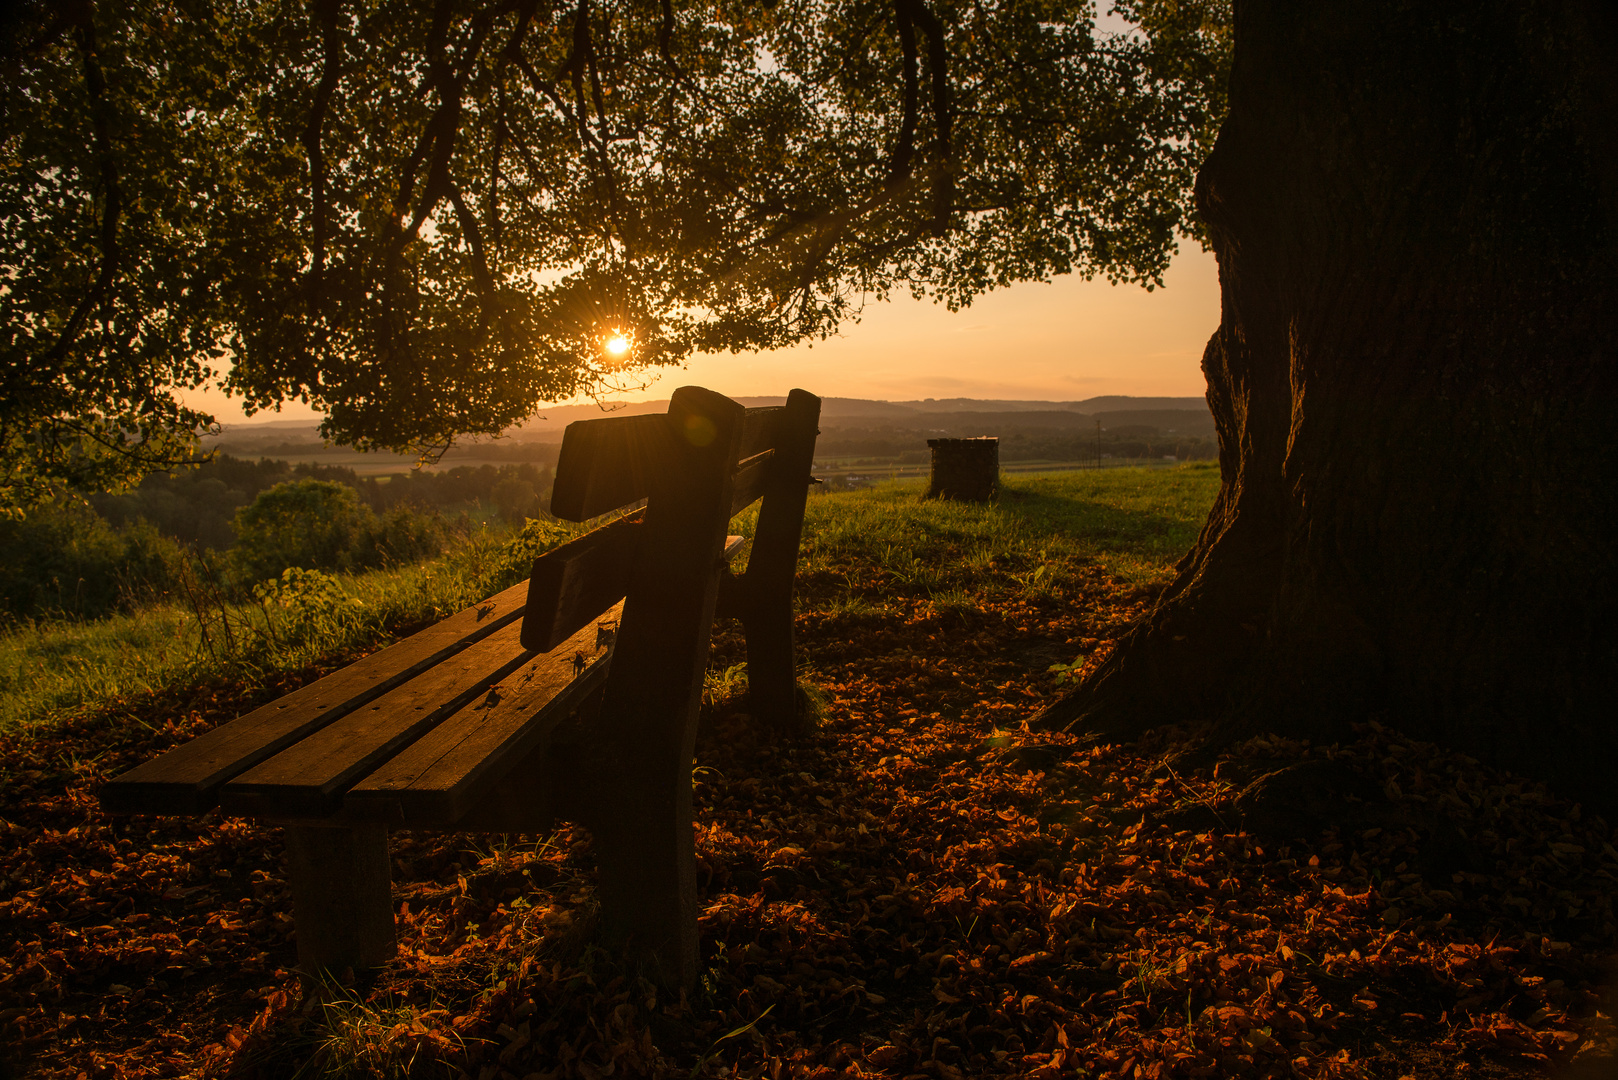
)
(862, 549)
(52, 669)
(1042, 536)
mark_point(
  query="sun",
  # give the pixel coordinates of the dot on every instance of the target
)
(617, 345)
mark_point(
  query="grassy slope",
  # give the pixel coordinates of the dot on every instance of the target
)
(1135, 520)
(920, 888)
(53, 670)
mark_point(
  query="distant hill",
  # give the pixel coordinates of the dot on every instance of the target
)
(941, 413)
(849, 422)
(1088, 405)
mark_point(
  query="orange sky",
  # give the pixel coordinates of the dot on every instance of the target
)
(1059, 341)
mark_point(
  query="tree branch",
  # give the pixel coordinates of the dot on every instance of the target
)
(474, 240)
(904, 150)
(430, 135)
(510, 54)
(938, 73)
(325, 12)
(112, 204)
(579, 64)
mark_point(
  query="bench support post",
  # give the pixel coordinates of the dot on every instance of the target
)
(772, 682)
(342, 896)
(641, 816)
(646, 859)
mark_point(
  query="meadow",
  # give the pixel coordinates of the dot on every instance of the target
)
(57, 668)
(926, 885)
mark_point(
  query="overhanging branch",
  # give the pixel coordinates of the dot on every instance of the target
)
(326, 12)
(112, 198)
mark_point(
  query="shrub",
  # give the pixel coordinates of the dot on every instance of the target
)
(322, 525)
(300, 603)
(66, 559)
(311, 524)
(405, 535)
(515, 497)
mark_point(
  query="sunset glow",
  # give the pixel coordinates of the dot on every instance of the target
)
(1062, 340)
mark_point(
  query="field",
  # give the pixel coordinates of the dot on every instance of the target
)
(924, 887)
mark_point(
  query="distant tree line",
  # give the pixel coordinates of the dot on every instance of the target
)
(1034, 444)
(197, 507)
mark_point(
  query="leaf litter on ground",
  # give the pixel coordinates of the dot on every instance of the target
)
(922, 887)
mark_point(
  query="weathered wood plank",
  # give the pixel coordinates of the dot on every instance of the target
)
(573, 584)
(186, 780)
(766, 598)
(752, 476)
(576, 582)
(444, 774)
(307, 780)
(605, 464)
(758, 430)
(342, 899)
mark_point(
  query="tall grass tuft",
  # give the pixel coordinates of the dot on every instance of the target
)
(360, 1040)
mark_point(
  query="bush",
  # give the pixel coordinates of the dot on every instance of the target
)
(301, 603)
(311, 524)
(404, 535)
(535, 538)
(515, 497)
(322, 525)
(66, 559)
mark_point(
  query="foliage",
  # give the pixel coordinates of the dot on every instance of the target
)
(322, 525)
(537, 536)
(315, 524)
(107, 184)
(196, 505)
(427, 219)
(64, 559)
(454, 488)
(301, 600)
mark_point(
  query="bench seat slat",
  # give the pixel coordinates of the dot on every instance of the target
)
(186, 780)
(441, 776)
(307, 780)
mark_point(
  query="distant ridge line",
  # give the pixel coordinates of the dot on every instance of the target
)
(548, 425)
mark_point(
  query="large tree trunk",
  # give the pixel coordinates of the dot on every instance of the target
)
(1415, 210)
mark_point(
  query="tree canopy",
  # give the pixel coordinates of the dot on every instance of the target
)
(426, 217)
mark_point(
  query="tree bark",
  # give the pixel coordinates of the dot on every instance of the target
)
(1415, 211)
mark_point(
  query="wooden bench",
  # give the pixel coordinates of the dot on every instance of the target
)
(574, 695)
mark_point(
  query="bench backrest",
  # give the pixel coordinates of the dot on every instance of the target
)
(695, 466)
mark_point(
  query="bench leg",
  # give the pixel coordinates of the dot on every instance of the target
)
(342, 896)
(645, 851)
(773, 566)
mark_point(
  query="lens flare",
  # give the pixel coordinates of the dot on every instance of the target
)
(617, 345)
